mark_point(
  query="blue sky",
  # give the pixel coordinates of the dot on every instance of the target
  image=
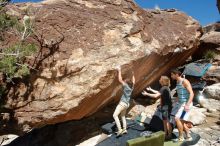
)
(205, 11)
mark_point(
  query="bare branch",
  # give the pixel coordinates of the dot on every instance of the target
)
(23, 34)
(2, 4)
(9, 54)
(9, 78)
(27, 28)
(27, 66)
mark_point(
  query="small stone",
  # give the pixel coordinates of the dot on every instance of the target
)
(207, 129)
(6, 116)
(216, 127)
(211, 115)
(195, 130)
(202, 110)
(210, 110)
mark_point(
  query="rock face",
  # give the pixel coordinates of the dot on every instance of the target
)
(80, 44)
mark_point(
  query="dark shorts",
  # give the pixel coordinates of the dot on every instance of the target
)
(165, 112)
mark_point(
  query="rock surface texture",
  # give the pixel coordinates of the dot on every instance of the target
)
(81, 43)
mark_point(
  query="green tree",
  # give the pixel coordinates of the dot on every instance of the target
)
(12, 59)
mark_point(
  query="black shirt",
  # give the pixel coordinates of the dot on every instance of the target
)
(166, 96)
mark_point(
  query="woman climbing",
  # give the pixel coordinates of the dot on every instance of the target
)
(128, 86)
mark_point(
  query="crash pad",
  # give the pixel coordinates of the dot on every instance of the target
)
(156, 139)
(171, 143)
(113, 140)
(196, 69)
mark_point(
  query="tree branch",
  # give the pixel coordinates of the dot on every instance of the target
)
(27, 66)
(9, 54)
(2, 4)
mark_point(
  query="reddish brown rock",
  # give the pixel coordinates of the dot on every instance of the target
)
(81, 42)
(211, 34)
(209, 41)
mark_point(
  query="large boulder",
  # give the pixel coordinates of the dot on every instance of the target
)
(213, 91)
(80, 44)
(212, 76)
(210, 37)
(138, 110)
(209, 41)
(196, 116)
